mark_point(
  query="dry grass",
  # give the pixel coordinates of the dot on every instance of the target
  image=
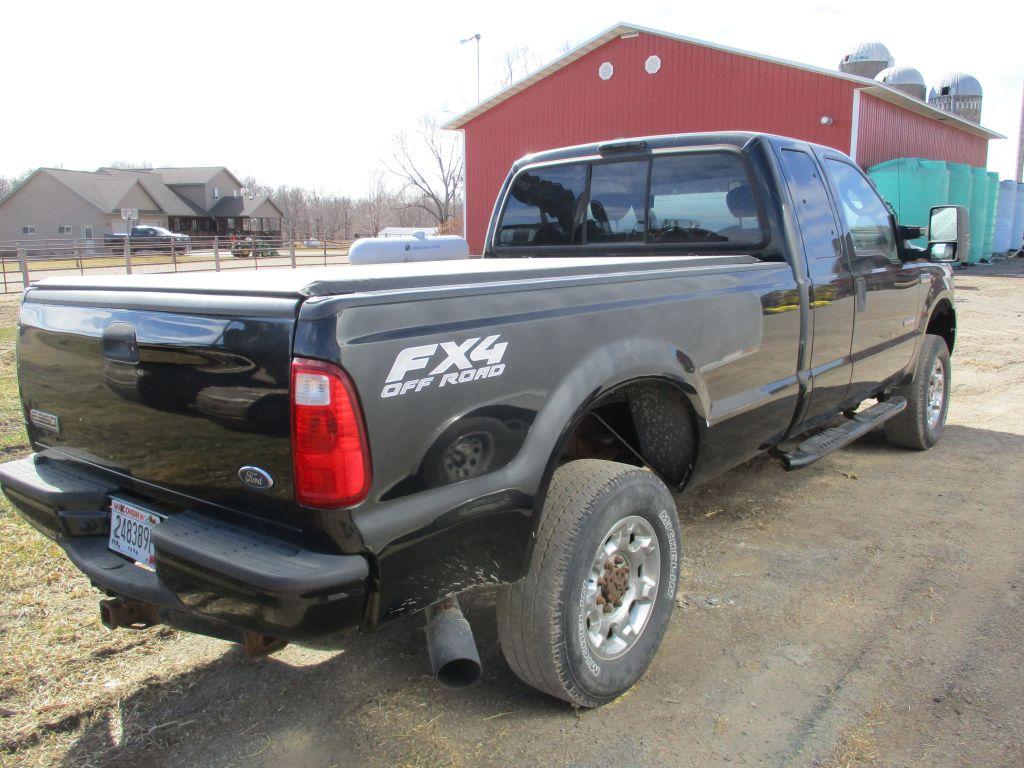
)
(857, 747)
(59, 667)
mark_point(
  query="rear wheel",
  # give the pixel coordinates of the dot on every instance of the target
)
(921, 425)
(586, 620)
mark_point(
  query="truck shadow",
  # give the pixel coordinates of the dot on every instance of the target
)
(373, 700)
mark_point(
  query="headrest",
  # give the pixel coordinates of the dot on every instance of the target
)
(741, 202)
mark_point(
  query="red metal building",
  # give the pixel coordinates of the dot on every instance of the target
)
(632, 81)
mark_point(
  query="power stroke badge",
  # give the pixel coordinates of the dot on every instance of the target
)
(446, 363)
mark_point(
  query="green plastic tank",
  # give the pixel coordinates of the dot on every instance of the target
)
(960, 185)
(912, 185)
(979, 211)
(990, 216)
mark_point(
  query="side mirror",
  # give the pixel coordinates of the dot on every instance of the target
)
(949, 237)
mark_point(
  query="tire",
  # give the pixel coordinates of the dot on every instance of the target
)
(921, 425)
(543, 618)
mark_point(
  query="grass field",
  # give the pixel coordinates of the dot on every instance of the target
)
(58, 665)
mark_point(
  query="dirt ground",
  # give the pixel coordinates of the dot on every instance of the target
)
(866, 611)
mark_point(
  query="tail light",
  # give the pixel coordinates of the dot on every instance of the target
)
(332, 460)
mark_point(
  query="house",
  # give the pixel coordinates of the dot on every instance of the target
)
(55, 203)
(634, 81)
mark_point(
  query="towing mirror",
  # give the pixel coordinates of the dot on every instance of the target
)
(949, 237)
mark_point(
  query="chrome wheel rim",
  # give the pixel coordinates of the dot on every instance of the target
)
(936, 392)
(622, 587)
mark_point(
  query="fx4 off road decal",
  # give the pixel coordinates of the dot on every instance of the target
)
(449, 362)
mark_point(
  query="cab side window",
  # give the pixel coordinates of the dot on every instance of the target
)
(866, 215)
(543, 207)
(810, 200)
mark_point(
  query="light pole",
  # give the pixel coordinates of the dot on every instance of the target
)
(468, 40)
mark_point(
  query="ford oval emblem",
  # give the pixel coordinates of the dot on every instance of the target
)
(256, 478)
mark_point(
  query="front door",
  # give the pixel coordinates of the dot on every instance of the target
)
(887, 291)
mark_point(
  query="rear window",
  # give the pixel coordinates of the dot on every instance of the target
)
(542, 207)
(696, 198)
(615, 208)
(702, 197)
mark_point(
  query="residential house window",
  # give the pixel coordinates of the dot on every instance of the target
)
(87, 232)
(216, 193)
(65, 229)
(28, 230)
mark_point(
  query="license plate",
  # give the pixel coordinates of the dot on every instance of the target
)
(131, 530)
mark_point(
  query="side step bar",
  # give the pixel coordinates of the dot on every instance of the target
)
(823, 443)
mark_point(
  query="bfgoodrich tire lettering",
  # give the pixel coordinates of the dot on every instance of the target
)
(542, 619)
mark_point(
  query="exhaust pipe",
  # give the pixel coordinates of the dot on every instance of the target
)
(453, 655)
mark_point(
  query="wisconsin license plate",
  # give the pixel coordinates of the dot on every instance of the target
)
(131, 530)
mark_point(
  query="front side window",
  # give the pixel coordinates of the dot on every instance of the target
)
(615, 208)
(65, 229)
(543, 206)
(28, 230)
(702, 198)
(866, 215)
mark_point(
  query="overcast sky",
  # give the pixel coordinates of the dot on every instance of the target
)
(297, 92)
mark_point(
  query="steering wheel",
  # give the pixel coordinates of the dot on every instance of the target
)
(691, 235)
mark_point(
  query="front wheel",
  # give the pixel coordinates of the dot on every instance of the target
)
(921, 424)
(588, 617)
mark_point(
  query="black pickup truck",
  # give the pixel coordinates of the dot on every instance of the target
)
(274, 456)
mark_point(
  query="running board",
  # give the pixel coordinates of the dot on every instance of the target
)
(834, 438)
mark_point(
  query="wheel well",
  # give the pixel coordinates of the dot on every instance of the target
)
(943, 322)
(646, 423)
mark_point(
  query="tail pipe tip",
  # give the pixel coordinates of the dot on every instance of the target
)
(454, 658)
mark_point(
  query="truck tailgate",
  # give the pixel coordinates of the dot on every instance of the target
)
(174, 398)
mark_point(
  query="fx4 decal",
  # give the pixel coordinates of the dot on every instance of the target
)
(462, 361)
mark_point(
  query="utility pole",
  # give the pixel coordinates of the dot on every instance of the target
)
(470, 39)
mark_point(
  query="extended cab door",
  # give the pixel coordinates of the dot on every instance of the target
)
(831, 289)
(887, 291)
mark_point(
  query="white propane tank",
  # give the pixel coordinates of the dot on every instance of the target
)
(416, 247)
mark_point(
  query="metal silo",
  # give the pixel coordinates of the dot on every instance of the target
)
(990, 215)
(906, 79)
(1004, 216)
(979, 208)
(866, 59)
(960, 94)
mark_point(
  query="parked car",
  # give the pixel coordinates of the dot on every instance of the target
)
(147, 237)
(650, 313)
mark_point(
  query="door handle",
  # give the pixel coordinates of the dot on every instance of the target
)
(860, 290)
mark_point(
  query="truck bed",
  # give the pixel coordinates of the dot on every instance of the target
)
(350, 278)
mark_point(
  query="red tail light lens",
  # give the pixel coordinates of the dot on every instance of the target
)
(332, 460)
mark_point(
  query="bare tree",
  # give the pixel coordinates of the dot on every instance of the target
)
(517, 63)
(430, 166)
(293, 204)
(254, 188)
(126, 165)
(8, 183)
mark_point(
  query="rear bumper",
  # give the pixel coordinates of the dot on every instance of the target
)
(221, 574)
